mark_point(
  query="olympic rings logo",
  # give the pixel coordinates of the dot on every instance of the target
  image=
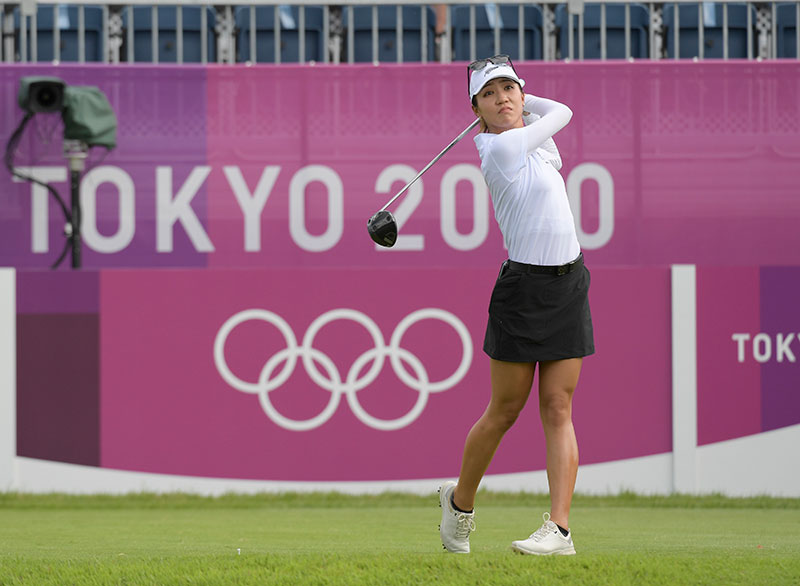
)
(332, 380)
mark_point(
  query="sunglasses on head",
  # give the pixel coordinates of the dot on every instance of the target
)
(482, 63)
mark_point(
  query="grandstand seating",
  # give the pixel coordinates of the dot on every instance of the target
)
(167, 34)
(712, 31)
(615, 31)
(509, 31)
(289, 34)
(66, 20)
(387, 33)
(787, 31)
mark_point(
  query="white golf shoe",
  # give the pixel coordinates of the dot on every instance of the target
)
(456, 526)
(546, 540)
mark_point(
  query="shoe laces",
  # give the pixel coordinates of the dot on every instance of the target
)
(545, 530)
(464, 525)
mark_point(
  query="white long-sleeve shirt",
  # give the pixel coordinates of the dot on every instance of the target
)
(528, 193)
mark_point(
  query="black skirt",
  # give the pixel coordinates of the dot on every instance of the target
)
(535, 317)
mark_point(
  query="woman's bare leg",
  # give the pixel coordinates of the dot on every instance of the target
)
(557, 382)
(511, 385)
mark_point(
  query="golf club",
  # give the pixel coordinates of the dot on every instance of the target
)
(382, 227)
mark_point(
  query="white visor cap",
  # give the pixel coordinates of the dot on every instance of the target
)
(480, 78)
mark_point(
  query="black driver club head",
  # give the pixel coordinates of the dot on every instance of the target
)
(382, 228)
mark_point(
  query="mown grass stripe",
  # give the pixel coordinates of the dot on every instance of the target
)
(387, 539)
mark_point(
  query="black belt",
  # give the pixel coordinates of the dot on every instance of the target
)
(547, 270)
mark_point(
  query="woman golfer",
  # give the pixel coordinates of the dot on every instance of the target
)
(539, 310)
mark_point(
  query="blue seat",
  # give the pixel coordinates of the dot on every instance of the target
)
(289, 33)
(167, 34)
(66, 21)
(787, 31)
(712, 30)
(509, 31)
(387, 33)
(615, 31)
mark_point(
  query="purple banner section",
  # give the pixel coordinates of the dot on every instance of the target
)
(58, 358)
(748, 346)
(352, 374)
(263, 166)
(780, 373)
(50, 292)
(58, 387)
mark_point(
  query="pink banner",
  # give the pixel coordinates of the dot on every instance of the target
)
(281, 166)
(351, 374)
(664, 163)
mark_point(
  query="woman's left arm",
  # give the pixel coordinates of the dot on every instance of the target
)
(509, 149)
(553, 116)
(548, 151)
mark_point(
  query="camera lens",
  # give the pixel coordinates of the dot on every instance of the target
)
(41, 94)
(46, 98)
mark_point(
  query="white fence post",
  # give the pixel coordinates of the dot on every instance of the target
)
(684, 378)
(8, 384)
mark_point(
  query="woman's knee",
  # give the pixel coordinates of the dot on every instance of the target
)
(511, 386)
(504, 415)
(557, 382)
(556, 408)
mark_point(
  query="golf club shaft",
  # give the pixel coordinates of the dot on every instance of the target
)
(436, 158)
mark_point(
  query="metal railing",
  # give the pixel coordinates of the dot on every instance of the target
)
(767, 30)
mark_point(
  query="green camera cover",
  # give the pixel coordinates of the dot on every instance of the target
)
(89, 117)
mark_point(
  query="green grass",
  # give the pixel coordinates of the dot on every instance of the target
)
(337, 539)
